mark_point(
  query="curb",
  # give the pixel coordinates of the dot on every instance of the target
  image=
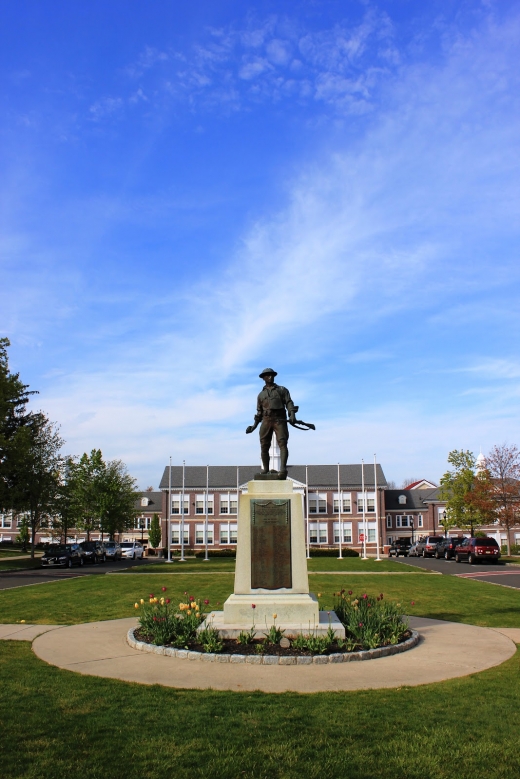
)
(209, 657)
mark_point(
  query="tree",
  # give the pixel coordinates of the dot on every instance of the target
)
(101, 494)
(456, 488)
(36, 469)
(155, 535)
(68, 509)
(84, 479)
(117, 492)
(23, 536)
(501, 489)
(15, 421)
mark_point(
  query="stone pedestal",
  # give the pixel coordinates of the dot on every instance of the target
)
(271, 567)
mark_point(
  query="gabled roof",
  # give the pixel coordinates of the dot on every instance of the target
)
(422, 484)
(320, 476)
(154, 501)
(415, 499)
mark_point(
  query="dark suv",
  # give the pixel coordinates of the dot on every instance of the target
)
(400, 546)
(93, 551)
(64, 555)
(446, 547)
(478, 549)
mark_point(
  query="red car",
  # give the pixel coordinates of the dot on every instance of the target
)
(477, 550)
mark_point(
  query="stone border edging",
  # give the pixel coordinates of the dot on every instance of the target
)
(210, 657)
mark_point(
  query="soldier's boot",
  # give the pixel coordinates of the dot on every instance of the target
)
(284, 456)
(265, 463)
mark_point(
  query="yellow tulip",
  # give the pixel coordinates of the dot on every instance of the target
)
(196, 607)
(274, 616)
(162, 601)
(142, 602)
(136, 605)
(189, 612)
(151, 600)
(319, 595)
(22, 620)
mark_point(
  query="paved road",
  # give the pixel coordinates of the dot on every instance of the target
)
(506, 574)
(10, 579)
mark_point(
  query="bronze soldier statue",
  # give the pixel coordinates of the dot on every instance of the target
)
(272, 404)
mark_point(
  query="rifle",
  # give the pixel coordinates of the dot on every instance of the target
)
(298, 424)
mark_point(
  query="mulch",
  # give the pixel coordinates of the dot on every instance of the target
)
(258, 646)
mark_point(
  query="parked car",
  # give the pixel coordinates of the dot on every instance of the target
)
(426, 546)
(446, 547)
(400, 546)
(478, 549)
(94, 551)
(63, 555)
(113, 550)
(414, 550)
(132, 549)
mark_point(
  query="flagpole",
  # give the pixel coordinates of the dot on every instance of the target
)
(168, 514)
(377, 508)
(238, 501)
(206, 558)
(364, 509)
(340, 556)
(307, 510)
(183, 559)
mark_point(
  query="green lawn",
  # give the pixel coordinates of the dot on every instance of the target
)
(314, 564)
(10, 565)
(90, 598)
(59, 724)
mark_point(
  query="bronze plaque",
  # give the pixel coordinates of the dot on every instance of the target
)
(271, 544)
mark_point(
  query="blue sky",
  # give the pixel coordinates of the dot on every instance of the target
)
(190, 194)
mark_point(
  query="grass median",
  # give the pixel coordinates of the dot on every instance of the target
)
(92, 598)
(57, 723)
(356, 564)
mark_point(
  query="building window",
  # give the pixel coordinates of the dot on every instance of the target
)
(200, 504)
(228, 503)
(145, 502)
(176, 534)
(199, 534)
(370, 531)
(389, 540)
(317, 503)
(176, 502)
(228, 533)
(346, 507)
(5, 521)
(318, 533)
(404, 520)
(347, 532)
(388, 520)
(371, 502)
(402, 500)
(420, 520)
(142, 523)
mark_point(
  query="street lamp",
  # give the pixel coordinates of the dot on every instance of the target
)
(141, 525)
(411, 525)
(444, 518)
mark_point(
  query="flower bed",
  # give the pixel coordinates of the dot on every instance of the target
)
(273, 659)
(374, 627)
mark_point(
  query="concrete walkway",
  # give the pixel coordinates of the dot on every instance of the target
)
(447, 650)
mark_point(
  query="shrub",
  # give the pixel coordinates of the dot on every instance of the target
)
(322, 552)
(216, 553)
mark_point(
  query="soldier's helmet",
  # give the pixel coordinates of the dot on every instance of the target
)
(267, 370)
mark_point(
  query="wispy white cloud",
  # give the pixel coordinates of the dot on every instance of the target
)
(274, 57)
